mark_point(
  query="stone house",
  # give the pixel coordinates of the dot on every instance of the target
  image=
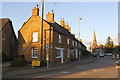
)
(9, 40)
(54, 40)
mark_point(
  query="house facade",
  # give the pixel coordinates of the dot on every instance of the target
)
(53, 41)
(9, 40)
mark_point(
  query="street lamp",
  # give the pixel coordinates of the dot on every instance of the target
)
(79, 34)
(79, 27)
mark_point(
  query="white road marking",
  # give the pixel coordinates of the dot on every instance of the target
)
(51, 74)
(77, 66)
(83, 73)
(64, 72)
(95, 70)
(101, 69)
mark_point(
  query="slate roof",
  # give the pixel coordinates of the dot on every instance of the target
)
(4, 22)
(63, 31)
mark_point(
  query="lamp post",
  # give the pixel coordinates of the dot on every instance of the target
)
(79, 35)
(79, 27)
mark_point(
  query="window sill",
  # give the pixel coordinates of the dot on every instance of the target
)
(58, 57)
(35, 42)
(35, 57)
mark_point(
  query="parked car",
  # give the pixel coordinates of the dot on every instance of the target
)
(108, 54)
(94, 54)
(118, 64)
(101, 54)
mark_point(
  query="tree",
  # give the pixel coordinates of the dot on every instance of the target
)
(109, 43)
(117, 49)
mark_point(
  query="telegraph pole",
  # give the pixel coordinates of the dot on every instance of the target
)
(42, 55)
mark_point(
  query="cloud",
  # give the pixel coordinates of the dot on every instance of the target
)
(115, 40)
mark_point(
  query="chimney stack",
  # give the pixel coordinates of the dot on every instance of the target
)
(35, 11)
(69, 29)
(62, 22)
(80, 40)
(73, 35)
(50, 17)
(67, 26)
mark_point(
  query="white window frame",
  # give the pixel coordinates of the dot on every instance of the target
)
(34, 53)
(60, 50)
(35, 37)
(73, 43)
(68, 51)
(76, 53)
(60, 38)
(68, 41)
(59, 53)
(76, 43)
(3, 38)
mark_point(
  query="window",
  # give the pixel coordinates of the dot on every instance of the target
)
(58, 53)
(35, 37)
(34, 53)
(72, 52)
(76, 43)
(68, 51)
(3, 36)
(73, 43)
(76, 53)
(68, 41)
(60, 39)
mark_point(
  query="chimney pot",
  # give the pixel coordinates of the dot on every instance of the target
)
(35, 11)
(50, 17)
(62, 23)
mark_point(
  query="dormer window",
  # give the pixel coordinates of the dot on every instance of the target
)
(60, 39)
(35, 37)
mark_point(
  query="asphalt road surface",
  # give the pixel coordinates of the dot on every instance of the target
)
(103, 67)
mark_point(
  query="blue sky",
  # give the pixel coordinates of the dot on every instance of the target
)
(99, 16)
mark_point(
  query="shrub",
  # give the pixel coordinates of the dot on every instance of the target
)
(6, 58)
(43, 63)
(73, 59)
(18, 62)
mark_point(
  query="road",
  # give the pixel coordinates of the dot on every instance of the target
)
(104, 67)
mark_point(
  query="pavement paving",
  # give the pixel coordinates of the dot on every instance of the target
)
(11, 72)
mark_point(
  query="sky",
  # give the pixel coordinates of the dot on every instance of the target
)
(99, 16)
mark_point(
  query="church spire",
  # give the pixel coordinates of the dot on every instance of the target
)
(94, 44)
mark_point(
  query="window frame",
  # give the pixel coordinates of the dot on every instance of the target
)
(68, 41)
(76, 43)
(60, 38)
(68, 53)
(57, 53)
(73, 43)
(3, 38)
(33, 37)
(33, 53)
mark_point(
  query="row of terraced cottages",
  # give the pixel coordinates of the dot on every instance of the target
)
(57, 40)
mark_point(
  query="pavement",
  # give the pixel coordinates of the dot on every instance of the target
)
(11, 72)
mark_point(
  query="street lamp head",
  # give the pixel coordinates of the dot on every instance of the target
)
(79, 18)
